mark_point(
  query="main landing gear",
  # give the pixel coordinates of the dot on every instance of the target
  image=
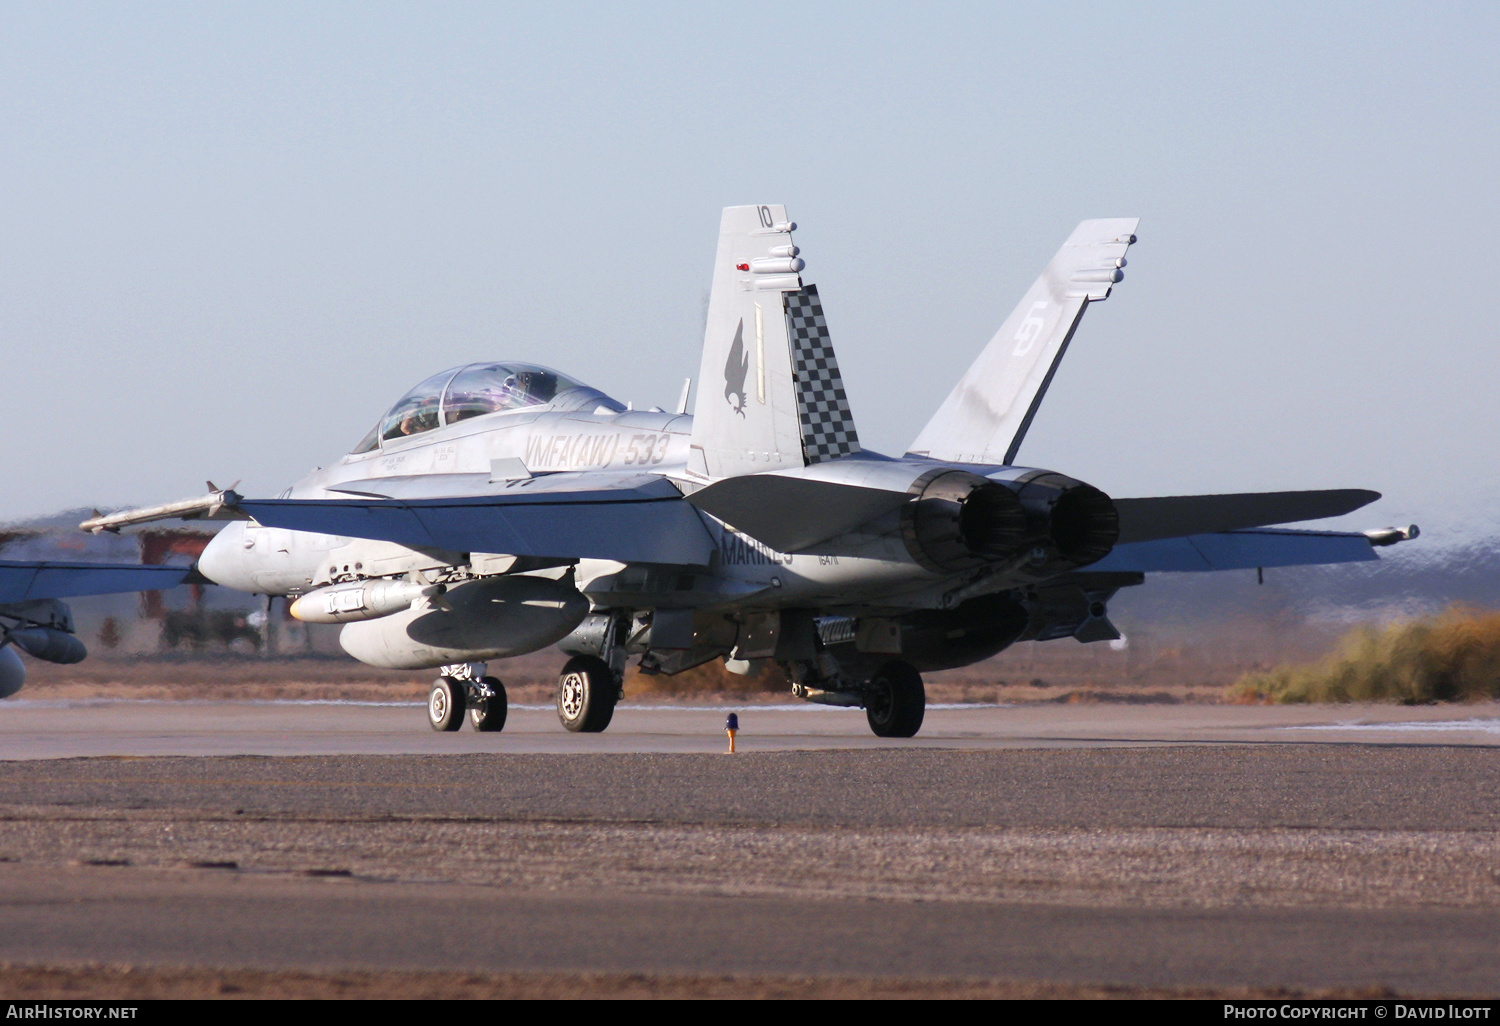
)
(464, 692)
(894, 699)
(586, 694)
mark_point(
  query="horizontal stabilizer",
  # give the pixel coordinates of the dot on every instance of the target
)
(791, 513)
(1176, 516)
(649, 524)
(28, 581)
(1236, 550)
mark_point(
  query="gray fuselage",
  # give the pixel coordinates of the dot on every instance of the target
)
(590, 434)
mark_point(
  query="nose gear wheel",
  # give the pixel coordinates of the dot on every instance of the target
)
(445, 704)
(487, 714)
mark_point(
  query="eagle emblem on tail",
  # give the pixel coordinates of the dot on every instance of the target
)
(735, 370)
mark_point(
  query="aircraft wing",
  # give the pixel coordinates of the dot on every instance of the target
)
(1236, 550)
(647, 521)
(1176, 516)
(28, 581)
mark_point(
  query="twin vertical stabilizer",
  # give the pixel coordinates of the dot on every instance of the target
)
(770, 396)
(769, 392)
(985, 417)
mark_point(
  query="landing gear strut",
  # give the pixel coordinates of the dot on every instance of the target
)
(465, 688)
(586, 694)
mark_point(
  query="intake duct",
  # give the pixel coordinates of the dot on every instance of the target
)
(959, 521)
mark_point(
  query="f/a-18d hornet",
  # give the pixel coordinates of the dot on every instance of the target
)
(34, 619)
(499, 508)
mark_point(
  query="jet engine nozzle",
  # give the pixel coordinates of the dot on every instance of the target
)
(1074, 523)
(48, 644)
(361, 600)
(960, 520)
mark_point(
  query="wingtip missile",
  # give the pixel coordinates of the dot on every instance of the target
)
(218, 504)
(1392, 535)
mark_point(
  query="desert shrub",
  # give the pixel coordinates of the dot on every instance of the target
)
(1453, 657)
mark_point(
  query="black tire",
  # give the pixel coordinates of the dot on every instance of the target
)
(488, 716)
(897, 701)
(445, 704)
(586, 694)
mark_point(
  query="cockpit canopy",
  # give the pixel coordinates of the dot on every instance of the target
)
(463, 392)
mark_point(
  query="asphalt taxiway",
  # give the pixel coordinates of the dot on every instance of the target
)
(39, 729)
(1217, 849)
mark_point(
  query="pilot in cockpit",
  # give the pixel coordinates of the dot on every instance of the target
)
(421, 417)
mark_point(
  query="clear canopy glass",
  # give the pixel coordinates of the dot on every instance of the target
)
(368, 443)
(463, 392)
(483, 388)
(417, 410)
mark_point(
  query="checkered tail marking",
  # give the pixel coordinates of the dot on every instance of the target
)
(822, 408)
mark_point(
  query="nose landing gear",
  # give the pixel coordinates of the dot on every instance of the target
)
(445, 704)
(464, 689)
(487, 705)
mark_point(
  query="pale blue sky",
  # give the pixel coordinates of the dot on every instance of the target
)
(232, 234)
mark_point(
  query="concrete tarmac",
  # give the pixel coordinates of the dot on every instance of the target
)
(1208, 849)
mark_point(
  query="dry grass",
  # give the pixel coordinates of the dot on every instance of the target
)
(1454, 657)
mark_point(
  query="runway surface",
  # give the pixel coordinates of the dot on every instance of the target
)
(31, 729)
(1140, 849)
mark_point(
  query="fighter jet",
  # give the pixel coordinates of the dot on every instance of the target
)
(499, 508)
(33, 619)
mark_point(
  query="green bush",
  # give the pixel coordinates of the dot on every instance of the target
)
(1454, 657)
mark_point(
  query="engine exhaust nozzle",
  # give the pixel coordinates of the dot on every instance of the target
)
(960, 520)
(1077, 522)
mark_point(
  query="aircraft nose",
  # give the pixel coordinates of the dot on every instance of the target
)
(222, 560)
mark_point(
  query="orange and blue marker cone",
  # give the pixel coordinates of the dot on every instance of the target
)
(731, 727)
